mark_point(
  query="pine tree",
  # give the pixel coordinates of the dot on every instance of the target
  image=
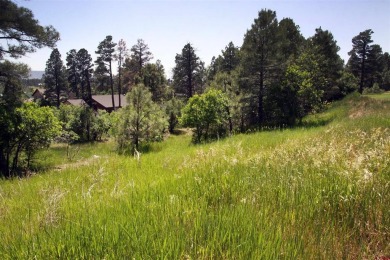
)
(141, 121)
(357, 62)
(106, 51)
(84, 68)
(55, 79)
(73, 74)
(22, 31)
(154, 79)
(260, 61)
(230, 58)
(141, 55)
(325, 50)
(122, 53)
(188, 73)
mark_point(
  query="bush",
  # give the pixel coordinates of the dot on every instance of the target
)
(375, 89)
(141, 122)
(207, 113)
(29, 128)
(82, 124)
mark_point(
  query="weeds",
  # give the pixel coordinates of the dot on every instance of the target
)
(319, 192)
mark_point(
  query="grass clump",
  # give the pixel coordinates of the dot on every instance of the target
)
(310, 192)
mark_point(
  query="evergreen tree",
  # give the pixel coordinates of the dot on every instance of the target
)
(357, 63)
(386, 71)
(23, 34)
(375, 65)
(154, 79)
(11, 78)
(141, 55)
(227, 82)
(188, 73)
(73, 74)
(230, 58)
(290, 41)
(260, 61)
(22, 31)
(101, 78)
(55, 79)
(325, 51)
(135, 64)
(214, 68)
(301, 90)
(122, 53)
(105, 53)
(84, 68)
(142, 121)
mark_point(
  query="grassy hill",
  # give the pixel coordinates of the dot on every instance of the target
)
(317, 191)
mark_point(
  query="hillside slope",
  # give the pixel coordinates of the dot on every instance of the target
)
(317, 191)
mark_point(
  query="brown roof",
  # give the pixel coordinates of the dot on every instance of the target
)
(75, 102)
(106, 100)
(38, 93)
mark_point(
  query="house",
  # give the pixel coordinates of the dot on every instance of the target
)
(100, 102)
(75, 102)
(38, 93)
(104, 102)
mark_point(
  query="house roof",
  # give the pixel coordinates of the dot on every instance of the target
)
(39, 90)
(76, 102)
(106, 100)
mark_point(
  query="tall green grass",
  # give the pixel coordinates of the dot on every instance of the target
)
(311, 192)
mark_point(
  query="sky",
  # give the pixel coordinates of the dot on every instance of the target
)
(209, 25)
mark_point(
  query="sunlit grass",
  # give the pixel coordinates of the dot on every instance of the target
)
(319, 192)
(383, 96)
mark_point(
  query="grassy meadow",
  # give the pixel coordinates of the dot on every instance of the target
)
(318, 191)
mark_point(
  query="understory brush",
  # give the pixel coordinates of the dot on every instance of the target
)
(318, 192)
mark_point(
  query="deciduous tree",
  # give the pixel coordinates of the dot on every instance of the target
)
(207, 114)
(29, 129)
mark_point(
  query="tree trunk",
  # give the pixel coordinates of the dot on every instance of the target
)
(15, 161)
(112, 87)
(57, 92)
(230, 121)
(4, 164)
(362, 70)
(189, 74)
(89, 90)
(260, 108)
(119, 84)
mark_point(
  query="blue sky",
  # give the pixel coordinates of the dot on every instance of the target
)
(167, 25)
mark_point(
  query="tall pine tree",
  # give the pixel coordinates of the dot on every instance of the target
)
(73, 74)
(357, 63)
(84, 68)
(188, 72)
(55, 79)
(105, 53)
(260, 61)
(122, 53)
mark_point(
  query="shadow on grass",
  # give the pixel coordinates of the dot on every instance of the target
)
(181, 131)
(314, 123)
